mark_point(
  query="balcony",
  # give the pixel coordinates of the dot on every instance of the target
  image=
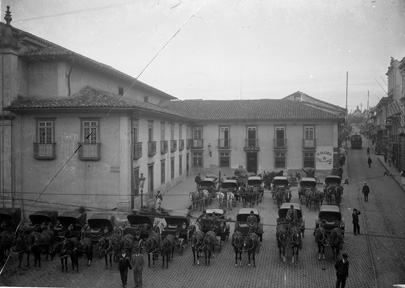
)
(89, 151)
(308, 144)
(181, 144)
(137, 150)
(251, 145)
(280, 143)
(173, 145)
(164, 146)
(44, 151)
(224, 143)
(197, 143)
(151, 148)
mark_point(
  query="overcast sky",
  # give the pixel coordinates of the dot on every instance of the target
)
(232, 49)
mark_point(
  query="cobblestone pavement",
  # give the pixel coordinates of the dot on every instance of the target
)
(363, 250)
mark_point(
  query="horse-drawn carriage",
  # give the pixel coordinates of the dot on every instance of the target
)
(139, 225)
(209, 184)
(329, 229)
(231, 186)
(99, 225)
(73, 219)
(256, 184)
(309, 193)
(243, 226)
(281, 190)
(216, 223)
(282, 216)
(40, 220)
(333, 189)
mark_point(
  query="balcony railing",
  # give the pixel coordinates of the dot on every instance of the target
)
(181, 144)
(164, 146)
(89, 151)
(308, 143)
(173, 145)
(280, 143)
(137, 150)
(251, 145)
(151, 148)
(224, 143)
(44, 151)
(197, 143)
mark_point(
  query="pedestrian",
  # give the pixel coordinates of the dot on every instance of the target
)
(385, 157)
(137, 267)
(355, 217)
(340, 172)
(342, 271)
(369, 161)
(197, 180)
(366, 191)
(159, 200)
(123, 265)
(403, 177)
(368, 150)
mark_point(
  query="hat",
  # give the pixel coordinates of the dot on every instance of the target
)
(344, 255)
(354, 209)
(365, 182)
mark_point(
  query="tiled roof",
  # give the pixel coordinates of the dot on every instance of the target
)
(263, 109)
(86, 98)
(316, 102)
(51, 51)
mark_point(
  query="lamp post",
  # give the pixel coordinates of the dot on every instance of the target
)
(141, 183)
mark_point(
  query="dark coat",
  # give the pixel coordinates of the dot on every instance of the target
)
(355, 216)
(342, 269)
(124, 263)
(366, 190)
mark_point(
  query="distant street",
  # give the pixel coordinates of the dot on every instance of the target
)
(375, 256)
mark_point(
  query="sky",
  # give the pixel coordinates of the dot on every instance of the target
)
(232, 49)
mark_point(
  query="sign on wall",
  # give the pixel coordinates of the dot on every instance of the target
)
(324, 158)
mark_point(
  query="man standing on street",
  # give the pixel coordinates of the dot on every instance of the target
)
(366, 191)
(123, 266)
(137, 267)
(197, 180)
(369, 161)
(342, 271)
(355, 217)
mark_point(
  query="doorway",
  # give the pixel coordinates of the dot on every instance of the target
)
(251, 162)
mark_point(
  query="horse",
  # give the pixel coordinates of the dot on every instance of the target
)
(194, 198)
(250, 244)
(221, 197)
(122, 243)
(210, 240)
(22, 246)
(152, 246)
(167, 249)
(85, 246)
(320, 239)
(282, 240)
(69, 246)
(334, 190)
(237, 243)
(296, 242)
(314, 196)
(6, 242)
(229, 200)
(39, 242)
(106, 249)
(287, 195)
(336, 240)
(279, 196)
(197, 244)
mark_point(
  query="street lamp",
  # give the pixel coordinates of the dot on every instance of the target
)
(141, 183)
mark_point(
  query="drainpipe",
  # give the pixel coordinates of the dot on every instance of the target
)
(72, 62)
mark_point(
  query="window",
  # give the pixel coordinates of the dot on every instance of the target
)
(224, 141)
(150, 131)
(280, 141)
(44, 148)
(90, 149)
(151, 143)
(198, 159)
(309, 136)
(172, 168)
(309, 159)
(224, 159)
(180, 131)
(162, 171)
(162, 131)
(171, 131)
(121, 91)
(137, 144)
(197, 137)
(145, 98)
(180, 164)
(251, 136)
(279, 160)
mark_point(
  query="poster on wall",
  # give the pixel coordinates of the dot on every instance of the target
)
(324, 158)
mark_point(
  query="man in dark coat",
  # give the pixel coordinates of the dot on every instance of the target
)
(342, 271)
(369, 161)
(123, 265)
(137, 267)
(366, 191)
(197, 180)
(355, 217)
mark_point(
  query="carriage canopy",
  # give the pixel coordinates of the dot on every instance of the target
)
(101, 220)
(244, 214)
(333, 180)
(308, 182)
(331, 216)
(73, 217)
(47, 216)
(281, 181)
(255, 181)
(208, 183)
(11, 216)
(230, 185)
(282, 212)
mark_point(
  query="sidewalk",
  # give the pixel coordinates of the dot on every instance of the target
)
(177, 199)
(392, 170)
